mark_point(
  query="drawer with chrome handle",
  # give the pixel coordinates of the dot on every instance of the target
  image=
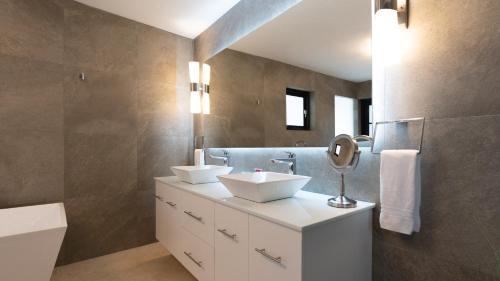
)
(265, 254)
(189, 213)
(190, 256)
(227, 234)
(170, 203)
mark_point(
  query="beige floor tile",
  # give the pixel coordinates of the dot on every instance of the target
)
(148, 263)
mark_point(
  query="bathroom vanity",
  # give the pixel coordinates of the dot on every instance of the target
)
(220, 237)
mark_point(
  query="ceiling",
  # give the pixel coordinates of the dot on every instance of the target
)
(184, 17)
(327, 36)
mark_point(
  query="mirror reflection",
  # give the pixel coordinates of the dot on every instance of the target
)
(276, 88)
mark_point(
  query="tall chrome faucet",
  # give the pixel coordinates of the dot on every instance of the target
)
(291, 161)
(224, 158)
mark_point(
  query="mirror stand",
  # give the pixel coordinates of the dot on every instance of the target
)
(342, 201)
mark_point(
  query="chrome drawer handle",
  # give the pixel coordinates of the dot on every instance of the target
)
(159, 198)
(198, 263)
(263, 252)
(189, 213)
(225, 233)
(171, 204)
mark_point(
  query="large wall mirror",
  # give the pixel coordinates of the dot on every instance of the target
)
(298, 80)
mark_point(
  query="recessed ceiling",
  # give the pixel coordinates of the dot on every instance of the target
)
(187, 18)
(327, 36)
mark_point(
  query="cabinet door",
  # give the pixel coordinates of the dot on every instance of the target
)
(161, 220)
(275, 252)
(231, 244)
(168, 218)
(197, 256)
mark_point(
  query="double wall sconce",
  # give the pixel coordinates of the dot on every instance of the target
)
(389, 15)
(200, 92)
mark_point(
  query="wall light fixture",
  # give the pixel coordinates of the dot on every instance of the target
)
(389, 15)
(199, 103)
(194, 77)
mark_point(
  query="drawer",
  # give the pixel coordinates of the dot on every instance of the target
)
(231, 244)
(198, 217)
(197, 256)
(274, 252)
(168, 195)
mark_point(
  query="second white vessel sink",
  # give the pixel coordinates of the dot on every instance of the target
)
(200, 174)
(263, 186)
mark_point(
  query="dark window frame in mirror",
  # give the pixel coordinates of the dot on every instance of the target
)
(365, 120)
(306, 96)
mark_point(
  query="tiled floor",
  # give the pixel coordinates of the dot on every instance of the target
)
(148, 263)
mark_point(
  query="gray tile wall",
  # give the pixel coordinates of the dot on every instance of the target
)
(449, 74)
(96, 144)
(240, 80)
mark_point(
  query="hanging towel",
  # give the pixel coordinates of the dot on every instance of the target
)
(400, 190)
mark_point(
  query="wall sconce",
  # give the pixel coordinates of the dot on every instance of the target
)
(389, 14)
(194, 77)
(206, 88)
(199, 103)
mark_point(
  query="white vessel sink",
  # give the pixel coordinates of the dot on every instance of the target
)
(200, 174)
(263, 186)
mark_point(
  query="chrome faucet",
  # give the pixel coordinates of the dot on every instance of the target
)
(291, 161)
(224, 158)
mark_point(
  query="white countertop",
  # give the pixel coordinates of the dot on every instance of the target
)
(300, 212)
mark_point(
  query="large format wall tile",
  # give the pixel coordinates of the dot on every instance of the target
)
(31, 168)
(163, 57)
(97, 40)
(450, 64)
(105, 103)
(157, 154)
(31, 29)
(99, 225)
(163, 109)
(100, 165)
(31, 94)
(402, 265)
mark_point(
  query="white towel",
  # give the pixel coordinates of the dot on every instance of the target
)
(400, 190)
(199, 157)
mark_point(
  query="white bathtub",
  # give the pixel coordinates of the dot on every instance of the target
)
(30, 239)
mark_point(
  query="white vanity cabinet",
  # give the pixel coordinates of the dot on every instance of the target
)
(224, 238)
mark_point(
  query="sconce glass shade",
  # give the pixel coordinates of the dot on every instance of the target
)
(387, 38)
(194, 72)
(195, 102)
(206, 103)
(206, 74)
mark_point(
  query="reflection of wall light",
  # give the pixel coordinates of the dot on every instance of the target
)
(206, 89)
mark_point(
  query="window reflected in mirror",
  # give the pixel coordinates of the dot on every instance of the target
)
(297, 109)
(353, 116)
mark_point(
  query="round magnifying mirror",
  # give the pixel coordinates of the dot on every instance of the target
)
(343, 155)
